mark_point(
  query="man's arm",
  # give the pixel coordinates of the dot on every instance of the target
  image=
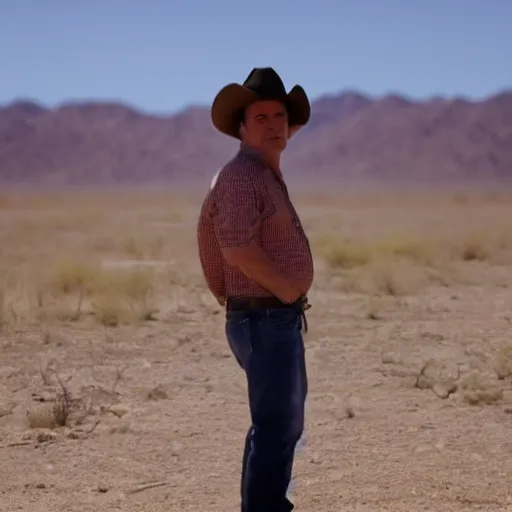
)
(255, 264)
(237, 227)
(210, 256)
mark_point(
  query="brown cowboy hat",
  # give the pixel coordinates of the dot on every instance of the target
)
(261, 84)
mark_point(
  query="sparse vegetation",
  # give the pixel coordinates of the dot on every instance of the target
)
(76, 258)
(478, 390)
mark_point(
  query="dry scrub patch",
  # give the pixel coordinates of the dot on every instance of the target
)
(71, 290)
(400, 257)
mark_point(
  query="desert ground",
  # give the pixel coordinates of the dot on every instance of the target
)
(118, 391)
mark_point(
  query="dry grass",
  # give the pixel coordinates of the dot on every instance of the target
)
(102, 305)
(116, 256)
(67, 258)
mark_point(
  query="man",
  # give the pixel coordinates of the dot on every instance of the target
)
(257, 262)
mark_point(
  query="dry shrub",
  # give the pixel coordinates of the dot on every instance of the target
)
(115, 295)
(110, 310)
(133, 248)
(60, 293)
(4, 316)
(11, 298)
(348, 254)
(388, 277)
(478, 390)
(125, 295)
(420, 250)
(345, 254)
(63, 405)
(425, 250)
(56, 415)
(69, 276)
(502, 364)
(475, 247)
(444, 273)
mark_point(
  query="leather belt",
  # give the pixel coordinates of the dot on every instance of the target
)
(259, 303)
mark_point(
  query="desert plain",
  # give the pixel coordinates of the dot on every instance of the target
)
(118, 391)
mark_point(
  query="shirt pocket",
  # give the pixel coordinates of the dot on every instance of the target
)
(281, 217)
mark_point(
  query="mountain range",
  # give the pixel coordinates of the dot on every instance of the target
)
(351, 139)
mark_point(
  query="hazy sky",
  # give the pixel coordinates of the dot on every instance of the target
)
(160, 55)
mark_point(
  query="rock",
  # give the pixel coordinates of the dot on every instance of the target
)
(157, 393)
(424, 382)
(390, 358)
(119, 410)
(444, 389)
(438, 377)
(45, 436)
(398, 371)
(5, 411)
(437, 371)
(125, 428)
(440, 390)
(43, 397)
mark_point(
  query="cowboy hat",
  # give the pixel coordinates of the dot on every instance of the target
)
(261, 84)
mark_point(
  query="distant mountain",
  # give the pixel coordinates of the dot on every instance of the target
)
(351, 138)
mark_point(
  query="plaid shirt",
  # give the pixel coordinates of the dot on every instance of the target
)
(247, 202)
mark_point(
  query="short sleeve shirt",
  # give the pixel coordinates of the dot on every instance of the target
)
(248, 203)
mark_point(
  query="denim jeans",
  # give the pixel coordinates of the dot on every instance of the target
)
(269, 347)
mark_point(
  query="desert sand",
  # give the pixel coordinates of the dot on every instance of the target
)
(118, 391)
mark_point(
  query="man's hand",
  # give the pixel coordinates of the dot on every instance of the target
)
(291, 295)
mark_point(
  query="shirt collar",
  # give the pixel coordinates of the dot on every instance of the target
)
(249, 151)
(254, 153)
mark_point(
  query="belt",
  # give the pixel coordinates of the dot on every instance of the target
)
(259, 303)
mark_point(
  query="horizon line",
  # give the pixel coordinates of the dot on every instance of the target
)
(203, 105)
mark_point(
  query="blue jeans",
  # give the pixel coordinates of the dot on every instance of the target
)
(268, 346)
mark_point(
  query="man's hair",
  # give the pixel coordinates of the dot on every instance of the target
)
(240, 120)
(240, 116)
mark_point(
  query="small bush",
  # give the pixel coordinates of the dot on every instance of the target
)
(345, 254)
(475, 247)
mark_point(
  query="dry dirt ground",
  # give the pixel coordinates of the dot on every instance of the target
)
(118, 390)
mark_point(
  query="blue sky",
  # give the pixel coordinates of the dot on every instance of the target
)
(162, 55)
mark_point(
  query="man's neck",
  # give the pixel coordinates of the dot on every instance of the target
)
(273, 161)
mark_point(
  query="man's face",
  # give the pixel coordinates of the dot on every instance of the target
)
(266, 126)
